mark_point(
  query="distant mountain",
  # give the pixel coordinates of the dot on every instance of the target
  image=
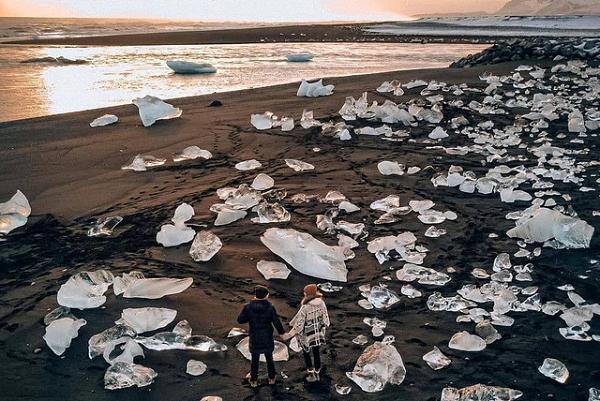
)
(551, 7)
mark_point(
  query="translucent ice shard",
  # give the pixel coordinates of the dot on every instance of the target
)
(205, 246)
(280, 353)
(243, 198)
(361, 339)
(273, 270)
(61, 332)
(386, 204)
(299, 57)
(436, 359)
(485, 330)
(262, 182)
(227, 215)
(85, 290)
(464, 341)
(104, 226)
(438, 133)
(424, 275)
(480, 392)
(308, 121)
(98, 342)
(181, 338)
(147, 319)
(105, 120)
(348, 207)
(187, 67)
(237, 331)
(328, 287)
(594, 394)
(555, 370)
(390, 168)
(271, 213)
(177, 233)
(298, 165)
(422, 205)
(378, 365)
(314, 89)
(191, 153)
(510, 195)
(120, 283)
(152, 109)
(263, 121)
(410, 291)
(195, 368)
(14, 213)
(381, 297)
(124, 375)
(306, 254)
(58, 313)
(434, 232)
(501, 262)
(155, 288)
(248, 165)
(342, 390)
(127, 350)
(142, 162)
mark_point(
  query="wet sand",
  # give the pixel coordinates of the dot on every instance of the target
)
(71, 175)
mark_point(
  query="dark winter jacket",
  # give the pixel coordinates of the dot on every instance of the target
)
(261, 316)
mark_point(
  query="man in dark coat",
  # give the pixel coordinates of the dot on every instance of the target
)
(261, 316)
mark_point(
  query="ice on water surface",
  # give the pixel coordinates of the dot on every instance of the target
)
(314, 89)
(85, 290)
(273, 270)
(14, 213)
(61, 332)
(280, 353)
(436, 359)
(555, 370)
(378, 365)
(177, 233)
(480, 392)
(123, 375)
(181, 338)
(152, 109)
(105, 120)
(147, 319)
(191, 153)
(104, 226)
(188, 67)
(142, 162)
(205, 246)
(306, 254)
(195, 368)
(155, 288)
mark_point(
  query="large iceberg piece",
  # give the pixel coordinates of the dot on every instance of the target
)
(299, 57)
(280, 353)
(191, 153)
(554, 369)
(59, 333)
(181, 338)
(155, 288)
(379, 364)
(177, 233)
(314, 89)
(152, 109)
(306, 254)
(547, 224)
(187, 67)
(105, 120)
(480, 392)
(85, 290)
(205, 246)
(123, 375)
(14, 213)
(147, 319)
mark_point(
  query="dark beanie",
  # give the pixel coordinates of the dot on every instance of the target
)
(261, 292)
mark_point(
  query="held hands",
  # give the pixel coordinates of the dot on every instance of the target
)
(285, 336)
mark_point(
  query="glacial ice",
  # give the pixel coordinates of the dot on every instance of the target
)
(438, 133)
(227, 215)
(594, 394)
(123, 375)
(501, 262)
(342, 390)
(299, 57)
(155, 288)
(328, 287)
(273, 270)
(464, 341)
(191, 153)
(410, 291)
(487, 331)
(314, 89)
(390, 168)
(298, 165)
(262, 182)
(306, 254)
(152, 109)
(187, 67)
(480, 392)
(386, 204)
(271, 213)
(205, 246)
(248, 165)
(120, 283)
(237, 331)
(381, 297)
(555, 370)
(436, 359)
(147, 319)
(104, 226)
(177, 233)
(378, 365)
(105, 120)
(348, 207)
(308, 121)
(424, 275)
(85, 290)
(280, 353)
(58, 313)
(60, 333)
(142, 162)
(195, 368)
(98, 342)
(181, 338)
(242, 198)
(128, 349)
(14, 213)
(286, 124)
(263, 121)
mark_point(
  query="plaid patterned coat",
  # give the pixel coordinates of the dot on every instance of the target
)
(310, 324)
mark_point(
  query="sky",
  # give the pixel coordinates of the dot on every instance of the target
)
(245, 10)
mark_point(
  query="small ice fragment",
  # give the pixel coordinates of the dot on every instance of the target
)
(14, 213)
(328, 287)
(128, 351)
(348, 207)
(434, 232)
(436, 359)
(141, 162)
(487, 331)
(61, 332)
(226, 215)
(205, 246)
(85, 290)
(501, 262)
(464, 341)
(308, 121)
(177, 233)
(124, 375)
(413, 170)
(419, 206)
(271, 213)
(314, 89)
(390, 168)
(58, 313)
(98, 343)
(365, 304)
(410, 291)
(191, 153)
(212, 398)
(594, 394)
(438, 133)
(263, 121)
(480, 273)
(195, 368)
(262, 182)
(344, 390)
(121, 283)
(237, 331)
(181, 338)
(379, 364)
(286, 124)
(280, 352)
(152, 109)
(155, 288)
(104, 226)
(248, 165)
(299, 57)
(187, 67)
(298, 165)
(480, 392)
(105, 120)
(555, 370)
(273, 270)
(381, 297)
(147, 319)
(361, 339)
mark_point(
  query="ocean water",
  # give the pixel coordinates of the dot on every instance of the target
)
(116, 75)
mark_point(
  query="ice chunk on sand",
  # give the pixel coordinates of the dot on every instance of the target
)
(155, 288)
(152, 109)
(555, 370)
(178, 233)
(128, 351)
(191, 153)
(227, 215)
(306, 254)
(205, 246)
(120, 283)
(480, 392)
(299, 57)
(263, 121)
(547, 224)
(271, 213)
(85, 290)
(104, 226)
(14, 213)
(147, 319)
(308, 121)
(485, 330)
(286, 124)
(142, 162)
(237, 331)
(58, 313)
(298, 165)
(195, 368)
(390, 168)
(386, 204)
(262, 182)
(381, 297)
(248, 165)
(348, 207)
(187, 67)
(314, 89)
(328, 287)
(60, 332)
(379, 364)
(464, 341)
(510, 195)
(276, 270)
(436, 359)
(438, 133)
(105, 120)
(98, 342)
(124, 375)
(594, 394)
(410, 291)
(181, 338)
(243, 198)
(424, 275)
(280, 353)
